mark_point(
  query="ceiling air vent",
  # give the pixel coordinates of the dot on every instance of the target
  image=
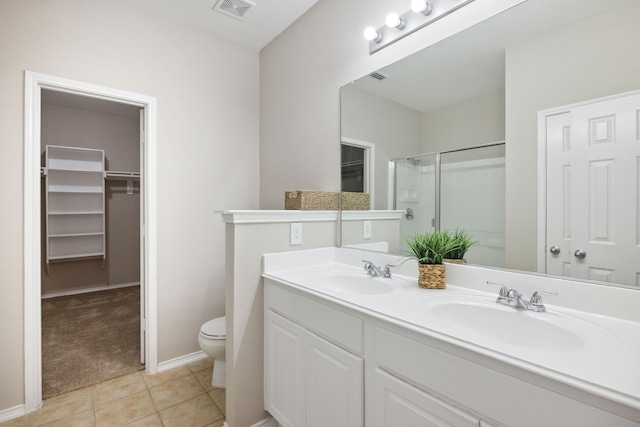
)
(378, 75)
(234, 8)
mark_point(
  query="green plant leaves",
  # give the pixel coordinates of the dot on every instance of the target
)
(433, 247)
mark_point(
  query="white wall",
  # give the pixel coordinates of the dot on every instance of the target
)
(586, 54)
(249, 236)
(472, 122)
(207, 149)
(394, 129)
(301, 72)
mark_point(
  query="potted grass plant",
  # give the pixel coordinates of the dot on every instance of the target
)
(429, 250)
(463, 241)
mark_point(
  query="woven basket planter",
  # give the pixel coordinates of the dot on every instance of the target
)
(455, 261)
(431, 276)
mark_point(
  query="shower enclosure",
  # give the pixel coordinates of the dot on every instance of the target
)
(462, 189)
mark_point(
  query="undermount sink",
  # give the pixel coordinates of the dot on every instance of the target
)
(360, 284)
(482, 316)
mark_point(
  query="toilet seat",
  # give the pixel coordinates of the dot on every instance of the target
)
(214, 329)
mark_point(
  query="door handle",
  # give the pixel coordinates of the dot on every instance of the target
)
(554, 250)
(408, 213)
(580, 254)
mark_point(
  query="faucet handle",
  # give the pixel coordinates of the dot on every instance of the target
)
(536, 298)
(367, 264)
(504, 291)
(387, 270)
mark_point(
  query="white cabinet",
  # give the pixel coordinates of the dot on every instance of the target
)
(310, 381)
(333, 385)
(75, 207)
(397, 403)
(284, 372)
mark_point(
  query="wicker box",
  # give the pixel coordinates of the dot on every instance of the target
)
(311, 200)
(355, 201)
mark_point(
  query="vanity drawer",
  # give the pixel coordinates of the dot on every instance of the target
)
(331, 323)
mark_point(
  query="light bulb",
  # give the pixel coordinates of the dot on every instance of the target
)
(421, 6)
(394, 21)
(371, 33)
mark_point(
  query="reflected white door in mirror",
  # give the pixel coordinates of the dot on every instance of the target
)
(591, 150)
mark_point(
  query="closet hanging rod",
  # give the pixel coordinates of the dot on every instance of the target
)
(121, 175)
(107, 174)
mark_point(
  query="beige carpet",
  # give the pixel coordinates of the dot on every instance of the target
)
(89, 338)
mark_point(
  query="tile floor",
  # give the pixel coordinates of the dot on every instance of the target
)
(180, 397)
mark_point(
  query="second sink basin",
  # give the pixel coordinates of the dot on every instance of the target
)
(482, 316)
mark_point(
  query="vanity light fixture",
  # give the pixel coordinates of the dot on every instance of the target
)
(422, 13)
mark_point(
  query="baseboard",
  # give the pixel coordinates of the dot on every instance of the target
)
(267, 422)
(11, 413)
(87, 290)
(182, 360)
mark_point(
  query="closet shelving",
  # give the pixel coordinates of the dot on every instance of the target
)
(75, 203)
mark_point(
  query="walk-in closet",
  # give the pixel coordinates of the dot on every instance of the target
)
(90, 216)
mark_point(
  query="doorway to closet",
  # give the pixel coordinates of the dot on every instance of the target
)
(90, 218)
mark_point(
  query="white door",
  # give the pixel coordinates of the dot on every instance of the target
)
(143, 243)
(334, 385)
(284, 370)
(593, 180)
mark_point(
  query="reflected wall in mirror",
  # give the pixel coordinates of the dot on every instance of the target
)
(489, 84)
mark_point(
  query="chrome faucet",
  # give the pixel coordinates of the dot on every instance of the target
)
(513, 298)
(374, 270)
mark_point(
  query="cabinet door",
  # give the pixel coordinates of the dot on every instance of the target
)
(397, 403)
(334, 385)
(284, 375)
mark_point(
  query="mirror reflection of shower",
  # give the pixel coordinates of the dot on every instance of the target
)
(462, 189)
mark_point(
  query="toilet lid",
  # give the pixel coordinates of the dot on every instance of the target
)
(215, 329)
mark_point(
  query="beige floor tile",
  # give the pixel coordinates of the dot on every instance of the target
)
(219, 396)
(22, 421)
(195, 412)
(117, 388)
(125, 410)
(83, 419)
(201, 364)
(219, 423)
(150, 421)
(153, 380)
(62, 406)
(204, 377)
(174, 392)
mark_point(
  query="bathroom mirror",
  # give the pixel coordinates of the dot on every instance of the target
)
(491, 86)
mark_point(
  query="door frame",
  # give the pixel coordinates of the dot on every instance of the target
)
(34, 83)
(541, 246)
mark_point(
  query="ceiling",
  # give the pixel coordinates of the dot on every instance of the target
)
(259, 25)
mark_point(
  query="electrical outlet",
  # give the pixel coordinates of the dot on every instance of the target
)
(296, 233)
(366, 229)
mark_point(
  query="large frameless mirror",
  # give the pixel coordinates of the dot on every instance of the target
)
(483, 130)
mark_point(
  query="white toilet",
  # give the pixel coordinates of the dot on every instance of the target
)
(212, 340)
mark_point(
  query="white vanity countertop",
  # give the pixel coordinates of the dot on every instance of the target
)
(595, 352)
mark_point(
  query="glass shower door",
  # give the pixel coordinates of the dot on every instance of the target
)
(415, 193)
(472, 198)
